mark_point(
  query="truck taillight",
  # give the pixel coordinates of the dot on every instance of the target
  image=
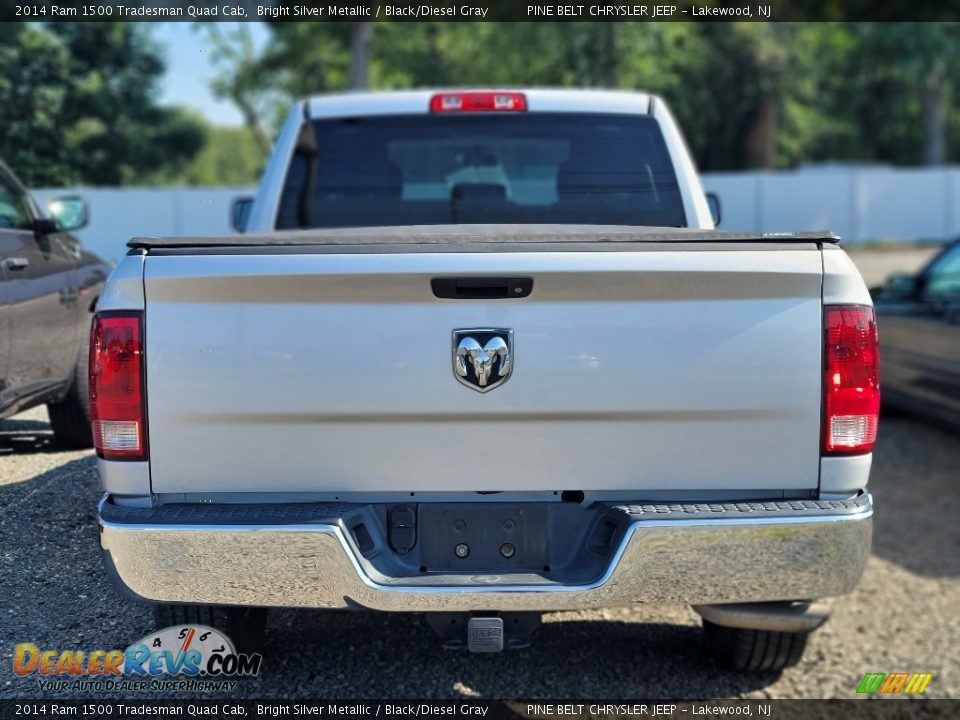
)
(478, 102)
(851, 380)
(116, 386)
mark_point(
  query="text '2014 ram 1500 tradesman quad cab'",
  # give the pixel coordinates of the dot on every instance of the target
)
(482, 355)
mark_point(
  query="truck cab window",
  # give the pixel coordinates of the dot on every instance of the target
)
(944, 274)
(14, 214)
(583, 168)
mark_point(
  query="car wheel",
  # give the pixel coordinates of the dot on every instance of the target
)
(70, 418)
(753, 650)
(245, 626)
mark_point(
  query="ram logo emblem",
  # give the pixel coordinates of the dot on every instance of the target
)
(482, 357)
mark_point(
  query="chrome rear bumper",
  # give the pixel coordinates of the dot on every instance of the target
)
(693, 554)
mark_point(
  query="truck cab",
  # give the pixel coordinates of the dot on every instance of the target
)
(533, 157)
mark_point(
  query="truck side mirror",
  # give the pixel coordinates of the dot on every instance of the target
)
(713, 202)
(240, 213)
(69, 212)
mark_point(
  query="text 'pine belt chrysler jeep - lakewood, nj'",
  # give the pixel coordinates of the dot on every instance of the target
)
(482, 355)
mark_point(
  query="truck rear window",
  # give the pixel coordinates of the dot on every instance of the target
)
(481, 168)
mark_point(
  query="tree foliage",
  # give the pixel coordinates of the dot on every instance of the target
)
(34, 72)
(78, 104)
(230, 156)
(243, 79)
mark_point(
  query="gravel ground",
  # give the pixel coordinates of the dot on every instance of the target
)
(905, 614)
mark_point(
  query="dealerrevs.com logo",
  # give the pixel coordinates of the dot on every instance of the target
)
(198, 657)
(895, 683)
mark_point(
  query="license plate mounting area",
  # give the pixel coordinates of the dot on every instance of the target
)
(484, 537)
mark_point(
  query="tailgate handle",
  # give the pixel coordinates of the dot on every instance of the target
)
(481, 288)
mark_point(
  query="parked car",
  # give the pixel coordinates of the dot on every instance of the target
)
(920, 338)
(489, 401)
(49, 286)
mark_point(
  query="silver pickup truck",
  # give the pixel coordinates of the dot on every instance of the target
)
(482, 355)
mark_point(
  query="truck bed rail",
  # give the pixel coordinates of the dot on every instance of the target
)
(487, 238)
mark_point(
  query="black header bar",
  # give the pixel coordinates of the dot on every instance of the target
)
(481, 11)
(657, 709)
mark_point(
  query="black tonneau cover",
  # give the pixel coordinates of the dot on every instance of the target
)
(482, 238)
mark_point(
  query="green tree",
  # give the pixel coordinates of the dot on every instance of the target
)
(78, 102)
(115, 130)
(34, 73)
(817, 122)
(917, 63)
(230, 156)
(244, 80)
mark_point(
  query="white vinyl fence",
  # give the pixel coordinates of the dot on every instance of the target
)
(859, 203)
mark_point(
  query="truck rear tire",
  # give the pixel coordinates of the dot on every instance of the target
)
(245, 626)
(70, 418)
(753, 651)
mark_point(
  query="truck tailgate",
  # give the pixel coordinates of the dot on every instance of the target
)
(660, 369)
